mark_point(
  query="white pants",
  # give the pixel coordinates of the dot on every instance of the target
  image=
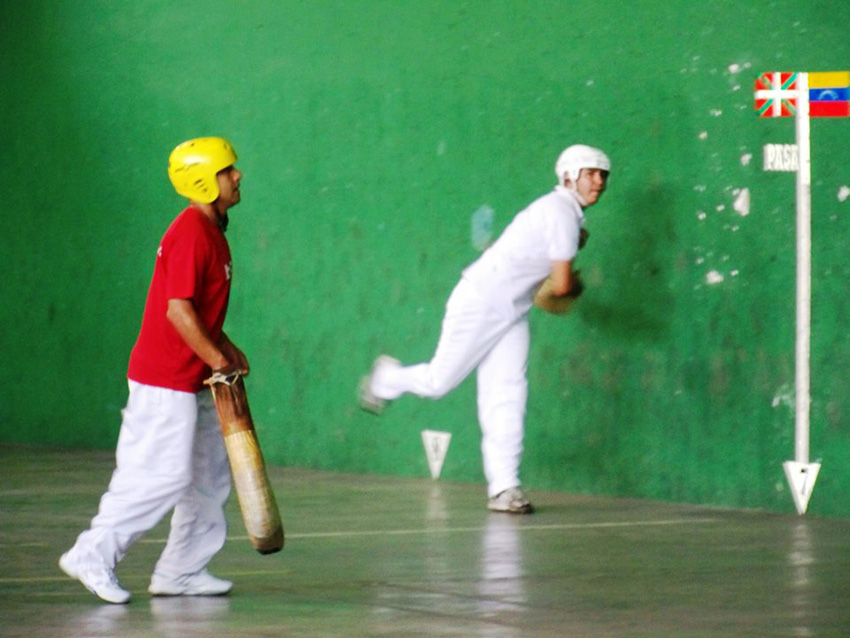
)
(474, 335)
(170, 455)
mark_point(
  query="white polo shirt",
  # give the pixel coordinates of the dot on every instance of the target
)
(510, 270)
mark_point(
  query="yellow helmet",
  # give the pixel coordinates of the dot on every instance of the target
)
(192, 167)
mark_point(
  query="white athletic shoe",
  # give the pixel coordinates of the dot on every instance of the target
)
(96, 577)
(200, 584)
(513, 501)
(368, 401)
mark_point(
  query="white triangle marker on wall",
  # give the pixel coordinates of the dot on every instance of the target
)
(436, 445)
(801, 479)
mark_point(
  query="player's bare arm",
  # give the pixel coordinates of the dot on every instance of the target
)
(557, 293)
(234, 354)
(183, 316)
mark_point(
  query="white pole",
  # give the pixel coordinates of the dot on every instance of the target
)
(804, 273)
(800, 473)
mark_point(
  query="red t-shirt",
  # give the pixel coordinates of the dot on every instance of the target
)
(192, 262)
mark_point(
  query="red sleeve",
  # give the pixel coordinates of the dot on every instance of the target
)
(183, 258)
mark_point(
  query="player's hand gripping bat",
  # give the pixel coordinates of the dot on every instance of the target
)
(256, 499)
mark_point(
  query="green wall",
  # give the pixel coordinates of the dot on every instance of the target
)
(369, 133)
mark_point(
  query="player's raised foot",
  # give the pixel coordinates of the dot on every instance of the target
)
(201, 583)
(96, 577)
(368, 400)
(512, 501)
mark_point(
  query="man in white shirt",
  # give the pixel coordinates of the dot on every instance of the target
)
(485, 327)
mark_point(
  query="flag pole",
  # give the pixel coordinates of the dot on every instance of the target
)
(801, 474)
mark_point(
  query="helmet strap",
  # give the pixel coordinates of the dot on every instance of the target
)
(570, 185)
(572, 188)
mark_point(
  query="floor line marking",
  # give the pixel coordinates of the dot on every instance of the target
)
(518, 528)
(398, 532)
(434, 530)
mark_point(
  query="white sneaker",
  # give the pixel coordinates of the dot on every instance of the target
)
(513, 501)
(368, 401)
(96, 577)
(201, 583)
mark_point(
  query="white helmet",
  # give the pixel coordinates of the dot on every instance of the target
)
(576, 157)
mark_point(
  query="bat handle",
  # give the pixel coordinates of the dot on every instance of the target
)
(229, 380)
(226, 379)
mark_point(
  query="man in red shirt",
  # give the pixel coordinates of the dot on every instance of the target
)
(170, 452)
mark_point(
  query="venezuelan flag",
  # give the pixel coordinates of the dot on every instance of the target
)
(829, 94)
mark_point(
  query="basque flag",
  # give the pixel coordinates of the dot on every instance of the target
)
(829, 94)
(776, 94)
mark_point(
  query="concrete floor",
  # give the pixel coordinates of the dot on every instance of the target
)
(378, 556)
